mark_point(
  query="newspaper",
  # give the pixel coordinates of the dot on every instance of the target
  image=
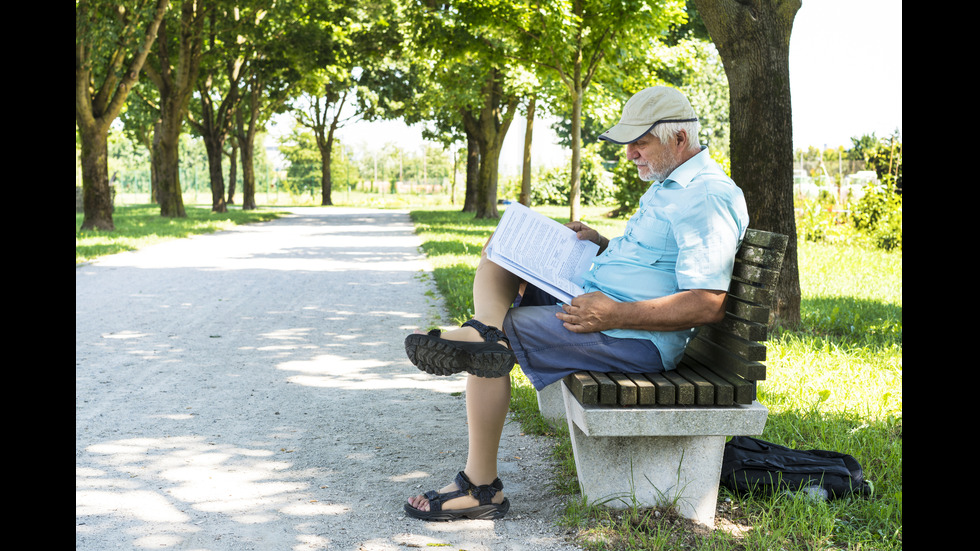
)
(541, 251)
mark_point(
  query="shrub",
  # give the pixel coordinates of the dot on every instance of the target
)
(596, 185)
(878, 214)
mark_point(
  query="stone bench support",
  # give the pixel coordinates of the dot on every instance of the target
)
(655, 456)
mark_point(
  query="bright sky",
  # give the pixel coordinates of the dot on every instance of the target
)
(845, 59)
(845, 78)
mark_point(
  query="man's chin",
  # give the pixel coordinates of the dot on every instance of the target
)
(647, 176)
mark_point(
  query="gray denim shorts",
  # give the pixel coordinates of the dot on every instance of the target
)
(547, 352)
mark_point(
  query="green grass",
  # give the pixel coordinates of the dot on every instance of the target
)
(835, 383)
(141, 225)
(138, 222)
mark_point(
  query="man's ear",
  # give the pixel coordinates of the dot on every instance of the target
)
(680, 139)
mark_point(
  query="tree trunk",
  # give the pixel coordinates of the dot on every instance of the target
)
(525, 197)
(232, 171)
(246, 130)
(214, 145)
(489, 131)
(248, 176)
(753, 41)
(326, 183)
(96, 195)
(176, 83)
(166, 161)
(575, 185)
(472, 172)
(97, 106)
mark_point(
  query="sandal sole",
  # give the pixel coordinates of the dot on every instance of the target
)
(483, 512)
(438, 356)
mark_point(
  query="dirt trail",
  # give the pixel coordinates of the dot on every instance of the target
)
(248, 390)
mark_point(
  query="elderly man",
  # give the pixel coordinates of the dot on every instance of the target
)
(645, 295)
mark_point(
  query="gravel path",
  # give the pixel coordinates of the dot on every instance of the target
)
(248, 390)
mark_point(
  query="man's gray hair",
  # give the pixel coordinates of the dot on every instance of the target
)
(666, 131)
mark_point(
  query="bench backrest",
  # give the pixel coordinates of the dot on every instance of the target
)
(723, 363)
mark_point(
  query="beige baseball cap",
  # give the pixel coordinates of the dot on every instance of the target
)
(648, 108)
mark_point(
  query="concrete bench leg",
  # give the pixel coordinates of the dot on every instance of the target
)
(551, 403)
(680, 471)
(663, 456)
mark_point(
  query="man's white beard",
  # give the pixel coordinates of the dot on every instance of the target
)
(666, 166)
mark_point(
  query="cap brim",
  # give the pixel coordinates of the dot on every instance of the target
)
(623, 134)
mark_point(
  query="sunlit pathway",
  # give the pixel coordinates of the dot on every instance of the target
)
(248, 390)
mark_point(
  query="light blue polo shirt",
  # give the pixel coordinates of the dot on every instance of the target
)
(684, 235)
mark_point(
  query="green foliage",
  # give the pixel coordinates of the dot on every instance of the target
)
(878, 214)
(884, 156)
(875, 216)
(300, 150)
(597, 188)
(628, 185)
(874, 219)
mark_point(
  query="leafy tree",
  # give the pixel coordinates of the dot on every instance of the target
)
(471, 89)
(299, 148)
(269, 76)
(112, 41)
(578, 41)
(173, 67)
(225, 49)
(346, 39)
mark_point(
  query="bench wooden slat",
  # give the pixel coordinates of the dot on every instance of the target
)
(745, 391)
(727, 391)
(763, 256)
(749, 330)
(683, 388)
(712, 354)
(608, 394)
(747, 349)
(583, 387)
(755, 274)
(626, 389)
(751, 293)
(746, 310)
(704, 391)
(666, 391)
(765, 239)
(646, 391)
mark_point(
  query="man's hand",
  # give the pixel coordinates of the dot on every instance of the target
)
(589, 313)
(585, 232)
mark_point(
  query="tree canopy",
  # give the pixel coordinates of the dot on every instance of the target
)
(462, 68)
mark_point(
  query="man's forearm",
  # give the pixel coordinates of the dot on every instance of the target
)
(683, 310)
(595, 311)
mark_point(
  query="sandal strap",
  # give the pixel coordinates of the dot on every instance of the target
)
(488, 332)
(484, 494)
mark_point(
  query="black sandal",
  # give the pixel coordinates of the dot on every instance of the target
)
(438, 356)
(486, 510)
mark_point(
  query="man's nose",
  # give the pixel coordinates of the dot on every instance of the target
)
(631, 152)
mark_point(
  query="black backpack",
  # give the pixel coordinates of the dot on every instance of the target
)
(754, 465)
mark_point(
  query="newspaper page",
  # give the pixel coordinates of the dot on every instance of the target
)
(541, 251)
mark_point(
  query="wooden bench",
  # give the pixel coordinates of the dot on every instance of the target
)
(657, 440)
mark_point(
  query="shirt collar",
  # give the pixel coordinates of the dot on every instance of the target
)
(683, 174)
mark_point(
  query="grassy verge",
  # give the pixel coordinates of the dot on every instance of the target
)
(141, 225)
(834, 384)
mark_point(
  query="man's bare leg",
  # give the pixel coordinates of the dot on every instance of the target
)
(487, 400)
(494, 290)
